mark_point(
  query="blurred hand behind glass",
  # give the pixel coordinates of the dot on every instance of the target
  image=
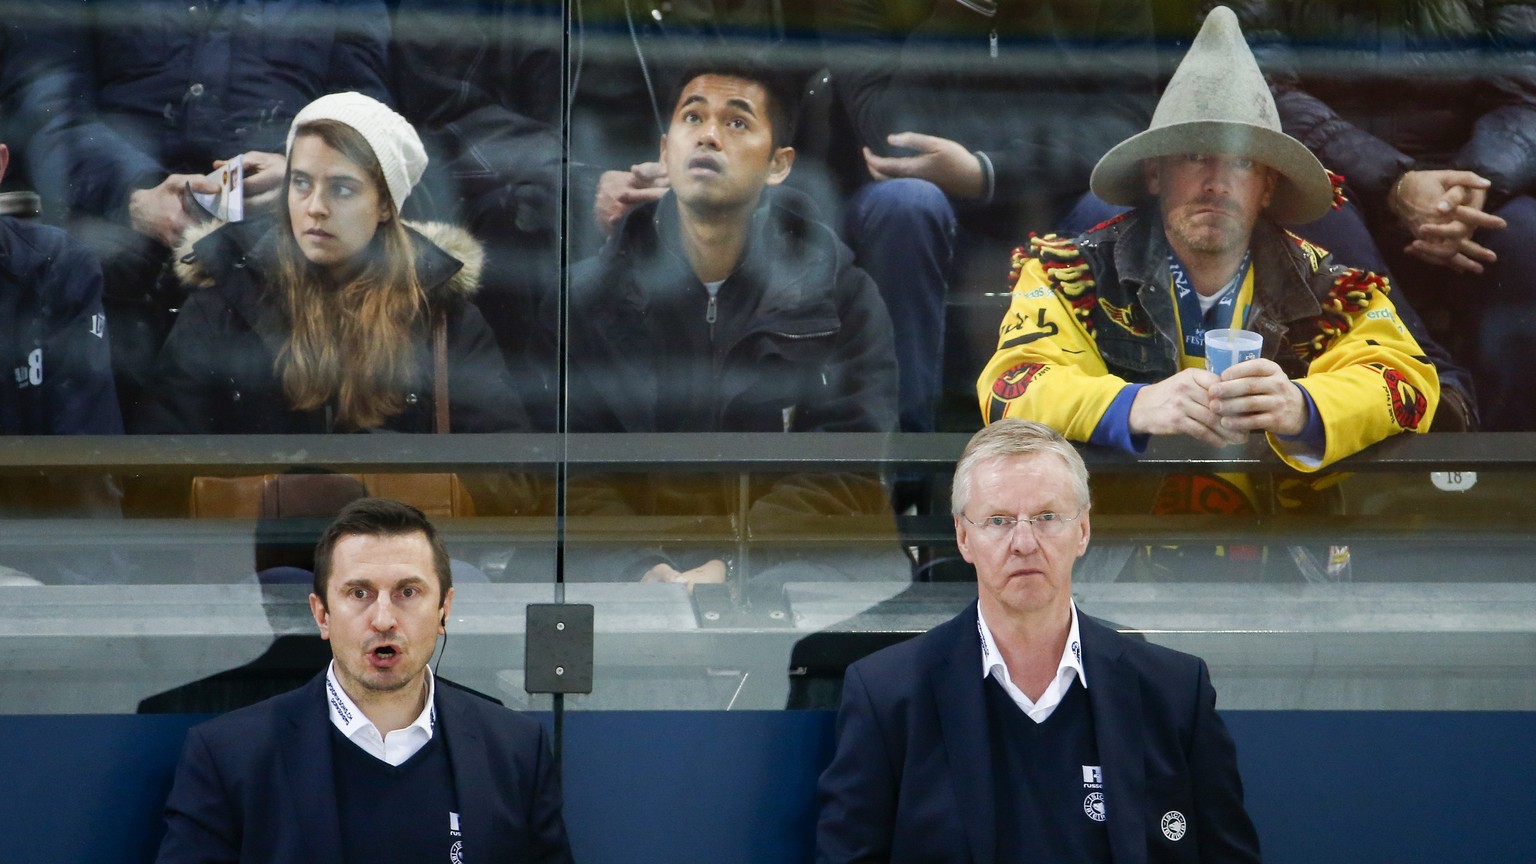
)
(263, 177)
(619, 192)
(710, 571)
(942, 162)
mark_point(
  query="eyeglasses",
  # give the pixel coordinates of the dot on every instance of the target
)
(1047, 524)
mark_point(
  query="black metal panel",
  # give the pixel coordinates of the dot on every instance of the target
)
(558, 651)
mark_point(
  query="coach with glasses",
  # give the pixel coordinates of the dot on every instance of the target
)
(1022, 730)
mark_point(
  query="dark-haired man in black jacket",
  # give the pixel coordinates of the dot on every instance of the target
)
(725, 307)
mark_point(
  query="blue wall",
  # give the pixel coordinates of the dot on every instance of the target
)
(1343, 786)
(694, 786)
(681, 787)
(85, 788)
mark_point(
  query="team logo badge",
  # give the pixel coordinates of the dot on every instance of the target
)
(1012, 384)
(1009, 386)
(1173, 825)
(1408, 404)
(1126, 316)
(1093, 805)
(456, 852)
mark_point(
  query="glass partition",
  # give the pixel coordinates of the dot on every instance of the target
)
(685, 309)
(679, 309)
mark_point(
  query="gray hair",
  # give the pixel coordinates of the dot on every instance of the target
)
(1011, 437)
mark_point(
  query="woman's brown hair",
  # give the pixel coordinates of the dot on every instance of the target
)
(350, 343)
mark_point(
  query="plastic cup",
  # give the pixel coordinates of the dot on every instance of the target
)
(1225, 347)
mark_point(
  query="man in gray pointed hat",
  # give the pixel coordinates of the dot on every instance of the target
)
(1105, 337)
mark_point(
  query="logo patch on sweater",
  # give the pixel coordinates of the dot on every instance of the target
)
(1093, 805)
(1173, 825)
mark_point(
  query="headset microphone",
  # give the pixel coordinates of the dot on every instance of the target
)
(442, 621)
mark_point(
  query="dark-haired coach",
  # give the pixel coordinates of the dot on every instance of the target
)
(371, 761)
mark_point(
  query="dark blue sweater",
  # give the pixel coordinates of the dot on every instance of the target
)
(393, 813)
(1050, 805)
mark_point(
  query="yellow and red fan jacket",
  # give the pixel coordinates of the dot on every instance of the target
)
(1090, 316)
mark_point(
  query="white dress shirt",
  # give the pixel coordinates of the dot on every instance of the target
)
(397, 746)
(1071, 665)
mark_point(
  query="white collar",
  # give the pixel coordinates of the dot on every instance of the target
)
(347, 717)
(1070, 666)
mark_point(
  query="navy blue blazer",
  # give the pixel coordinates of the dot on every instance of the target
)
(911, 779)
(257, 785)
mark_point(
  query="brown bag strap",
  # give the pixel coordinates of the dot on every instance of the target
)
(440, 370)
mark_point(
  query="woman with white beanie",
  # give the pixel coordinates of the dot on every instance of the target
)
(336, 316)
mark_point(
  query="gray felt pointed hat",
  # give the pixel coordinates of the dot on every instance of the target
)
(1217, 102)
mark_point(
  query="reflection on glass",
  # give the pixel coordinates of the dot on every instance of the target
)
(775, 217)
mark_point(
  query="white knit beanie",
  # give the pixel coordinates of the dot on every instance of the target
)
(394, 141)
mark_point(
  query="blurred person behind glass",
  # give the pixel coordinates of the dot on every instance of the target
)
(978, 121)
(322, 320)
(1437, 141)
(628, 59)
(53, 338)
(1106, 335)
(480, 80)
(134, 102)
(53, 334)
(724, 307)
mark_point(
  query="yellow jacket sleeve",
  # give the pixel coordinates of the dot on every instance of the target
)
(1371, 382)
(1046, 367)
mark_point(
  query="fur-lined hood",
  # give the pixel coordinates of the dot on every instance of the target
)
(449, 260)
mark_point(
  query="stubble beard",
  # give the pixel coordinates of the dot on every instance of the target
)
(1206, 239)
(381, 682)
